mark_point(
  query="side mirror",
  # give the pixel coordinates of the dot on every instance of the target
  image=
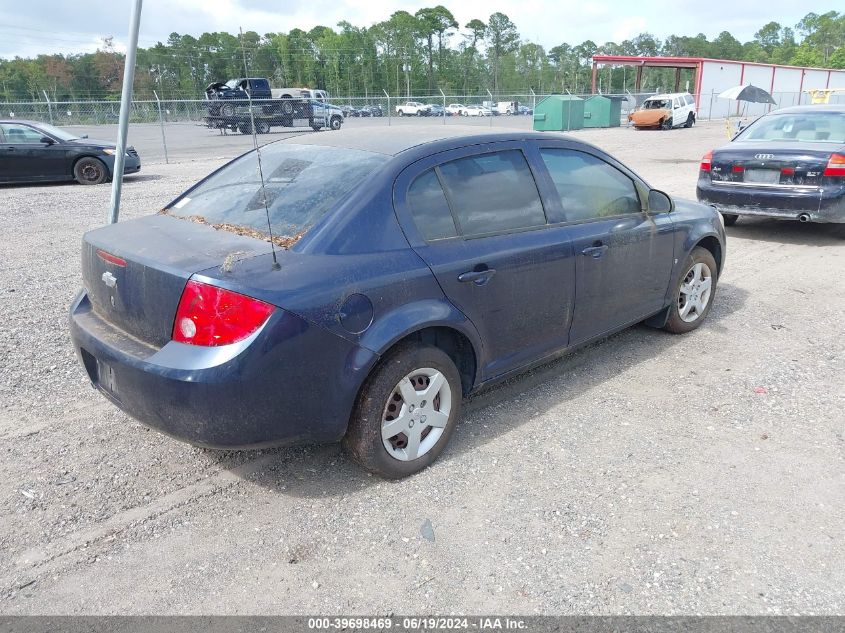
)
(47, 140)
(659, 202)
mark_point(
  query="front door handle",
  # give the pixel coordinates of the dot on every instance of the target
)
(478, 277)
(595, 251)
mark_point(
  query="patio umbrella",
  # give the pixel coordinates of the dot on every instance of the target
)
(749, 93)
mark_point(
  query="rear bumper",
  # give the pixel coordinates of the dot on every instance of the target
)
(291, 382)
(817, 204)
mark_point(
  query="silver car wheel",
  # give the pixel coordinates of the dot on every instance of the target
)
(695, 292)
(416, 413)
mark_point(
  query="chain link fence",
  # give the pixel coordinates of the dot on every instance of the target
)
(170, 129)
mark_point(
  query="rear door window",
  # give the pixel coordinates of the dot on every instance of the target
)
(430, 209)
(588, 187)
(491, 193)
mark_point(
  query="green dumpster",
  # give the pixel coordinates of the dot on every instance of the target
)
(601, 111)
(556, 113)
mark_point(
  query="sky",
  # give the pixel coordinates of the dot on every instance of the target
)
(30, 27)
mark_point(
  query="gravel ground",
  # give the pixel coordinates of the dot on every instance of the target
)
(648, 473)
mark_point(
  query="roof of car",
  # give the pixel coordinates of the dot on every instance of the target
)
(24, 121)
(668, 95)
(830, 107)
(392, 141)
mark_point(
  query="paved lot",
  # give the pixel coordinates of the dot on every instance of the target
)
(195, 141)
(648, 473)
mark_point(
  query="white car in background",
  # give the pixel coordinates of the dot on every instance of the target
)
(455, 108)
(665, 111)
(413, 108)
(477, 110)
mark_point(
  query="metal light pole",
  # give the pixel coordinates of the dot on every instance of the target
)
(490, 94)
(49, 106)
(161, 123)
(125, 104)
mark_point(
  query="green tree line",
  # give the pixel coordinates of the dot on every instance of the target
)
(418, 53)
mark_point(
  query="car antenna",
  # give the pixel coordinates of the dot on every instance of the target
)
(276, 265)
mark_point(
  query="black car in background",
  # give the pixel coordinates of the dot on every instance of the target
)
(39, 152)
(787, 164)
(374, 110)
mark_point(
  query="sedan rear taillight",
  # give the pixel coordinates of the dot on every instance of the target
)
(835, 166)
(707, 161)
(212, 316)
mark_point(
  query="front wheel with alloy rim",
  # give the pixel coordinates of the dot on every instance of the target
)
(406, 412)
(694, 292)
(90, 171)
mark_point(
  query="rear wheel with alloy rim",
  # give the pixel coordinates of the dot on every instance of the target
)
(406, 412)
(694, 294)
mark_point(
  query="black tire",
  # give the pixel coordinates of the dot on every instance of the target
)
(676, 323)
(262, 127)
(245, 128)
(400, 113)
(227, 109)
(690, 120)
(730, 218)
(316, 128)
(90, 171)
(287, 107)
(363, 440)
(666, 124)
(335, 122)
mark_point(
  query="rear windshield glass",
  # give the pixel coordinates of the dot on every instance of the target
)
(302, 182)
(820, 127)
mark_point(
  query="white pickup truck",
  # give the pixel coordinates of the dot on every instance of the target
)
(413, 108)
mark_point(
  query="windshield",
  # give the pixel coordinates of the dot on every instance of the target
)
(656, 104)
(302, 182)
(818, 127)
(56, 132)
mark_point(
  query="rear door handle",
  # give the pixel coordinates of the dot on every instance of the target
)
(478, 277)
(595, 251)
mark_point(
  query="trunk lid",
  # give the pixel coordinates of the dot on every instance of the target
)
(135, 271)
(770, 164)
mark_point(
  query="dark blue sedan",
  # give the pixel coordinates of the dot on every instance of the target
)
(408, 269)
